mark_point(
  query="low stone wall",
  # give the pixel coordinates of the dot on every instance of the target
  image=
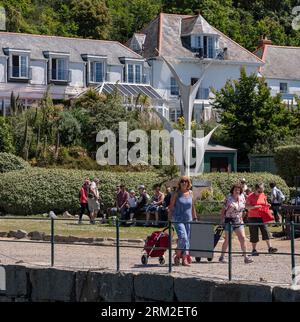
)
(51, 284)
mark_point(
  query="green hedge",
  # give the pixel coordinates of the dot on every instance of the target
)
(10, 162)
(222, 182)
(287, 159)
(37, 190)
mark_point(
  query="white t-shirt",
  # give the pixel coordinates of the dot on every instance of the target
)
(132, 202)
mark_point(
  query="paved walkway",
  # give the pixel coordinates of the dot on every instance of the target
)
(266, 268)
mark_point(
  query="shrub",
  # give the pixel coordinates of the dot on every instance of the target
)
(6, 139)
(287, 159)
(37, 190)
(222, 182)
(10, 162)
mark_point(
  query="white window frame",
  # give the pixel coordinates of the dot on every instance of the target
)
(19, 55)
(65, 68)
(134, 67)
(197, 42)
(93, 69)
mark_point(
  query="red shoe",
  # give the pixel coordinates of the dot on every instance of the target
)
(189, 259)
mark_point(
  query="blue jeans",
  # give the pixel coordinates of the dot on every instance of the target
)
(183, 231)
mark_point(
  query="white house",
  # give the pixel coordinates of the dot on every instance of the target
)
(30, 63)
(280, 70)
(191, 44)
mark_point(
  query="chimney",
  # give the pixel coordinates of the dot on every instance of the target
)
(264, 41)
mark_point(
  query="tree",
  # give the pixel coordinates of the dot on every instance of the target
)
(249, 114)
(6, 139)
(92, 18)
(131, 16)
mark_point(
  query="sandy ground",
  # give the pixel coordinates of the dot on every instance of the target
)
(267, 268)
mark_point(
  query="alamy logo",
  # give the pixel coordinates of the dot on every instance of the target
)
(296, 20)
(161, 147)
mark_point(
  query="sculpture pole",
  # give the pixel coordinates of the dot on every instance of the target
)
(188, 95)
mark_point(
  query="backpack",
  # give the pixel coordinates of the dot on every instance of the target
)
(280, 197)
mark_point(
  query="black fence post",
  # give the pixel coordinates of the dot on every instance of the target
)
(170, 246)
(52, 242)
(118, 243)
(292, 230)
(230, 252)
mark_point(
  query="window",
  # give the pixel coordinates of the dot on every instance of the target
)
(174, 87)
(219, 164)
(134, 73)
(59, 69)
(20, 66)
(173, 115)
(96, 71)
(283, 88)
(137, 74)
(207, 44)
(130, 73)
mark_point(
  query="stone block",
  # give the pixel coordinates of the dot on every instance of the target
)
(52, 285)
(241, 292)
(104, 287)
(286, 294)
(154, 287)
(16, 281)
(193, 289)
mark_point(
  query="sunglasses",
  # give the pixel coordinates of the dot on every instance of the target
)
(184, 181)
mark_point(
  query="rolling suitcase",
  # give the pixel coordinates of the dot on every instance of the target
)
(206, 238)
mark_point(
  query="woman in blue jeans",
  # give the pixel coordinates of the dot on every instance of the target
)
(182, 211)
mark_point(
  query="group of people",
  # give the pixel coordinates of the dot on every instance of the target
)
(239, 205)
(127, 204)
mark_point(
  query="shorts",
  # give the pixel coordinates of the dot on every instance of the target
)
(153, 208)
(236, 224)
(94, 205)
(253, 229)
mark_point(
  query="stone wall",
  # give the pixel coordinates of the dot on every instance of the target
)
(51, 284)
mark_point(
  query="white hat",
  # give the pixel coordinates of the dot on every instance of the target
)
(141, 186)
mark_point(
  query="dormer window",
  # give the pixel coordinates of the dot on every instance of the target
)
(133, 70)
(58, 67)
(19, 67)
(205, 44)
(96, 72)
(95, 68)
(18, 64)
(59, 71)
(134, 73)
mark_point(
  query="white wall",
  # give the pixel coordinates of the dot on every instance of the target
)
(293, 85)
(215, 76)
(77, 74)
(115, 73)
(38, 72)
(2, 69)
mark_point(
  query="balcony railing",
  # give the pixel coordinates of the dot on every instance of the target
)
(60, 75)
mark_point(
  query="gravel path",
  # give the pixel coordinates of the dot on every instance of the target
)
(266, 268)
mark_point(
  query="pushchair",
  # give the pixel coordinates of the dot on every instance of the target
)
(155, 246)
